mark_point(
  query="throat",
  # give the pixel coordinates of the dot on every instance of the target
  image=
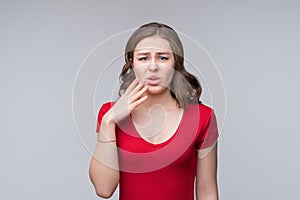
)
(157, 125)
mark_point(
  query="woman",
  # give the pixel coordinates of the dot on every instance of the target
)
(157, 137)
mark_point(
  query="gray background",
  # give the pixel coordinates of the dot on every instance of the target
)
(255, 44)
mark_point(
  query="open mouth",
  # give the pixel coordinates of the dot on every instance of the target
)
(153, 80)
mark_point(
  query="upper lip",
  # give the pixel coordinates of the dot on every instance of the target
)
(153, 77)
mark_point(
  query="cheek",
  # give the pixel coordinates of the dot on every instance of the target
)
(138, 73)
(169, 75)
(136, 70)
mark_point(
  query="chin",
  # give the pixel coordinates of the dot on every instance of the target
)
(156, 90)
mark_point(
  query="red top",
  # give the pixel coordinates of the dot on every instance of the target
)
(166, 170)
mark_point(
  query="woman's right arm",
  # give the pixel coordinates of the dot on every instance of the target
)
(104, 166)
(103, 172)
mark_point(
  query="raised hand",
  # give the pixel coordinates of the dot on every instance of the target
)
(131, 99)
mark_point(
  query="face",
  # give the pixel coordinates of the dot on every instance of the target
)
(153, 61)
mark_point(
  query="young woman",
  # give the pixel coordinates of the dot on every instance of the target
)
(157, 138)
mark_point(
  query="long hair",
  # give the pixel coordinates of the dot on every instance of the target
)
(184, 87)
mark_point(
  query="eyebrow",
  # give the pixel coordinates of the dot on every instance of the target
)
(159, 53)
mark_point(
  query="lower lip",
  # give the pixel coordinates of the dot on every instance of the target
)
(153, 82)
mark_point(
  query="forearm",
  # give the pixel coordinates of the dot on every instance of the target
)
(104, 166)
(208, 192)
(207, 187)
(208, 197)
(206, 182)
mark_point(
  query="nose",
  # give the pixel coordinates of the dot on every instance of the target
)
(153, 65)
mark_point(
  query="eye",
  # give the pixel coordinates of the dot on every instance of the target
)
(163, 58)
(142, 59)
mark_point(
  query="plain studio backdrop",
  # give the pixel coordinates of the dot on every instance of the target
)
(255, 45)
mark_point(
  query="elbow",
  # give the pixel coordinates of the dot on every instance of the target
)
(104, 194)
(103, 191)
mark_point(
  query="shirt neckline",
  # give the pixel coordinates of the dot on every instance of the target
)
(155, 145)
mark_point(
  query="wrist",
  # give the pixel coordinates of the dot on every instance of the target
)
(105, 138)
(107, 130)
(108, 119)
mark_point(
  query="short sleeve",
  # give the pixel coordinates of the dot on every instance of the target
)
(209, 133)
(104, 108)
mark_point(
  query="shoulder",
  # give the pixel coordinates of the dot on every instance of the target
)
(206, 110)
(200, 113)
(201, 109)
(106, 106)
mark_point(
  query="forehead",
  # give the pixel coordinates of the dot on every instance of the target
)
(153, 43)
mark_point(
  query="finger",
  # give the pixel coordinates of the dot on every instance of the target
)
(138, 102)
(132, 85)
(139, 93)
(138, 87)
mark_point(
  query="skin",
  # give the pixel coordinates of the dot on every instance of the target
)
(206, 176)
(152, 56)
(158, 117)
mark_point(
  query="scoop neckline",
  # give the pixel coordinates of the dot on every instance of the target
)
(161, 143)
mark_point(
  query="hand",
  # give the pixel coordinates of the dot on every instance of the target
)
(131, 99)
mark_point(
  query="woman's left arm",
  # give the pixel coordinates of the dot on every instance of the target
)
(206, 178)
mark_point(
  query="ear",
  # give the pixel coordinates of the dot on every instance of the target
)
(131, 62)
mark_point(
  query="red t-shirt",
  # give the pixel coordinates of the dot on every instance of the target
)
(167, 170)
